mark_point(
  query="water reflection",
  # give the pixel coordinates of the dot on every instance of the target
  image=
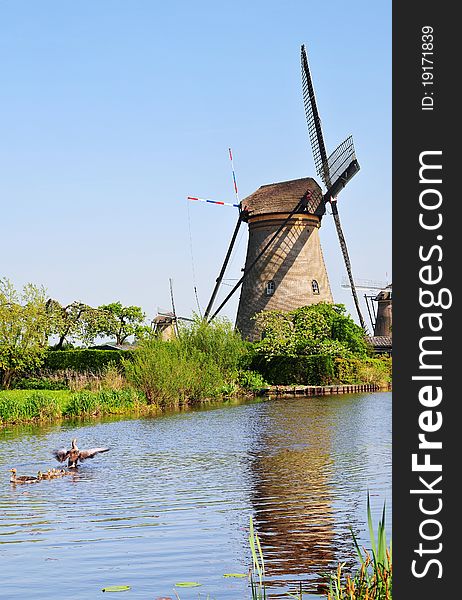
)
(309, 478)
(172, 502)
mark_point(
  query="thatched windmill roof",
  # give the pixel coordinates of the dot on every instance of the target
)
(282, 197)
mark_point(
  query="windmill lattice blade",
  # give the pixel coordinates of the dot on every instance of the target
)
(314, 122)
(340, 159)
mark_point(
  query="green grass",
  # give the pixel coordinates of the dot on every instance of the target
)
(22, 406)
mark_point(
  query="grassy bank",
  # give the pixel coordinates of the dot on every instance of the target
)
(23, 406)
(204, 362)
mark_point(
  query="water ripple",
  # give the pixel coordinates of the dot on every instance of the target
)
(172, 499)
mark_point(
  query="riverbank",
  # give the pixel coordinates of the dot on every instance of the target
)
(322, 390)
(28, 406)
(37, 406)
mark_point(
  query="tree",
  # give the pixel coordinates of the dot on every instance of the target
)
(317, 329)
(117, 321)
(73, 322)
(24, 329)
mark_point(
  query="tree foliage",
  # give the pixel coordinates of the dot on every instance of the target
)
(117, 321)
(72, 323)
(24, 329)
(310, 330)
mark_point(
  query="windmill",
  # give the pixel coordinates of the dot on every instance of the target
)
(165, 323)
(335, 170)
(284, 267)
(379, 305)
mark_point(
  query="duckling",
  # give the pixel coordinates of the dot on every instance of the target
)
(74, 455)
(63, 472)
(22, 478)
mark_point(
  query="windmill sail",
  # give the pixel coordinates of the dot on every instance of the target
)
(341, 167)
(314, 121)
(335, 170)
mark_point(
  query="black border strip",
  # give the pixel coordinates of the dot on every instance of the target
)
(425, 122)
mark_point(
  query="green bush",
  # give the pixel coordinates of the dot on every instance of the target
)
(202, 363)
(83, 361)
(323, 370)
(322, 329)
(40, 383)
(371, 370)
(301, 370)
(218, 340)
(168, 373)
(251, 380)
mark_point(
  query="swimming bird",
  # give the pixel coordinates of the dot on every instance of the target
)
(74, 455)
(22, 478)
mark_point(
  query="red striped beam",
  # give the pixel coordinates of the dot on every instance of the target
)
(212, 201)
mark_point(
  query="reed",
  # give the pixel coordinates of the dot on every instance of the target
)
(374, 579)
(201, 364)
(257, 571)
(28, 405)
(105, 402)
(17, 406)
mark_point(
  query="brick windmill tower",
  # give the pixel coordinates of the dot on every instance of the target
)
(284, 266)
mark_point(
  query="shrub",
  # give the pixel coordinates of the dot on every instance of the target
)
(83, 361)
(322, 370)
(310, 330)
(40, 383)
(371, 370)
(202, 363)
(166, 373)
(251, 380)
(302, 370)
(218, 340)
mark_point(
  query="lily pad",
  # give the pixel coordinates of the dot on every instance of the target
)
(234, 575)
(116, 588)
(187, 584)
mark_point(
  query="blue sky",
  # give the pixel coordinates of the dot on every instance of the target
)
(112, 112)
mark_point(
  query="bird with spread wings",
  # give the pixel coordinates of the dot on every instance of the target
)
(74, 455)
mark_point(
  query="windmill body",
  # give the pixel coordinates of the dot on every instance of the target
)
(284, 266)
(383, 322)
(291, 271)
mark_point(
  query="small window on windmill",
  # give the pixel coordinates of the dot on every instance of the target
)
(315, 286)
(270, 287)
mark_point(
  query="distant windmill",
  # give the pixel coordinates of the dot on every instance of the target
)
(165, 323)
(284, 266)
(379, 305)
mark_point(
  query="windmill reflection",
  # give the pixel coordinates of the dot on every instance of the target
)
(291, 494)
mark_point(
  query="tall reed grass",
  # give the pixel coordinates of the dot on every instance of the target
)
(104, 402)
(17, 406)
(202, 363)
(257, 572)
(374, 579)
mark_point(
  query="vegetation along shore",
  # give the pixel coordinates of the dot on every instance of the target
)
(48, 369)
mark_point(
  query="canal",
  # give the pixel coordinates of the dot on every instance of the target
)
(171, 501)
